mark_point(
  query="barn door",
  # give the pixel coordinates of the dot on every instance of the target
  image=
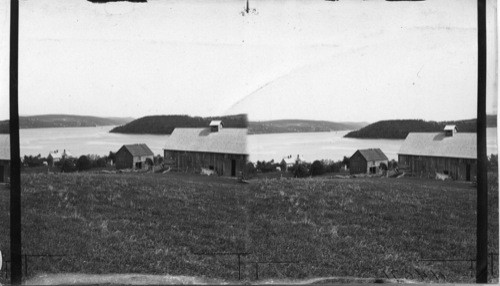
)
(467, 172)
(233, 168)
(2, 174)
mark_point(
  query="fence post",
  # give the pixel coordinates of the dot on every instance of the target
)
(25, 265)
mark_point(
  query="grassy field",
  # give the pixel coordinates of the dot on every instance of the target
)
(156, 223)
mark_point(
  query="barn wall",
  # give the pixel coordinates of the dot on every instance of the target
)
(194, 161)
(5, 173)
(423, 166)
(124, 159)
(357, 164)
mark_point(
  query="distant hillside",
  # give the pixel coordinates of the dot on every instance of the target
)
(165, 124)
(61, 120)
(296, 125)
(399, 129)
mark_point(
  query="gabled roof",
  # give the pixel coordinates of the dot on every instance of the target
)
(4, 147)
(138, 150)
(216, 123)
(56, 154)
(226, 141)
(460, 145)
(450, 128)
(373, 154)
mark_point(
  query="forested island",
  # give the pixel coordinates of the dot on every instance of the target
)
(63, 120)
(165, 124)
(399, 129)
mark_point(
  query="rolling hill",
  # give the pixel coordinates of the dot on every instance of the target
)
(399, 129)
(63, 120)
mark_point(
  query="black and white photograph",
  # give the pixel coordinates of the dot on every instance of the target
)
(248, 142)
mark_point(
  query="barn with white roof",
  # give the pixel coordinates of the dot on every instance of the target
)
(449, 152)
(215, 148)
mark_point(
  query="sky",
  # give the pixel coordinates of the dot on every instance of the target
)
(341, 61)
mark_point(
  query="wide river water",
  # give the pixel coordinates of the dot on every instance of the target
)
(312, 146)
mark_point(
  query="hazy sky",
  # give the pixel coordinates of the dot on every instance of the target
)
(349, 60)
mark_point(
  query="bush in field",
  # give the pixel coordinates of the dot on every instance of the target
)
(68, 166)
(83, 163)
(149, 162)
(393, 164)
(100, 163)
(33, 161)
(345, 162)
(266, 167)
(158, 160)
(300, 170)
(493, 162)
(250, 169)
(332, 166)
(317, 168)
(383, 166)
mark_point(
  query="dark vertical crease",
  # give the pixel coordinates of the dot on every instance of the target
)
(15, 158)
(482, 176)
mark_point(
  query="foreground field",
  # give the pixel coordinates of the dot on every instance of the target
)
(159, 224)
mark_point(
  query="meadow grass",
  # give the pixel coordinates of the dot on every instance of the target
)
(156, 223)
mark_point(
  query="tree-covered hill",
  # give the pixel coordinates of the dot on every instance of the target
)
(399, 129)
(165, 124)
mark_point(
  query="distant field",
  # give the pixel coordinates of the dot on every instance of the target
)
(153, 223)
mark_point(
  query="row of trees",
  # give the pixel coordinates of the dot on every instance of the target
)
(306, 169)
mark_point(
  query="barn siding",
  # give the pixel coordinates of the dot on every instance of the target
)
(359, 165)
(426, 166)
(124, 159)
(5, 171)
(193, 161)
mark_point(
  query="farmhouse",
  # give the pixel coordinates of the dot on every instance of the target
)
(56, 156)
(133, 156)
(448, 152)
(215, 149)
(4, 158)
(289, 161)
(367, 161)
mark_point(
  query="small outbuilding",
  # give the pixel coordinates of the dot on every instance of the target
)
(133, 156)
(4, 158)
(207, 150)
(368, 161)
(449, 153)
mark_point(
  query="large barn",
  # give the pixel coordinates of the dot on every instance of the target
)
(133, 156)
(4, 158)
(367, 161)
(448, 152)
(215, 149)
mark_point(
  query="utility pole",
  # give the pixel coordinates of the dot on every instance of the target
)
(482, 172)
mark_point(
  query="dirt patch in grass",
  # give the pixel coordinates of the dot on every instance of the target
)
(157, 223)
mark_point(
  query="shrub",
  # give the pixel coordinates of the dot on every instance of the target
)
(317, 168)
(300, 170)
(493, 162)
(149, 162)
(101, 162)
(83, 163)
(68, 166)
(33, 161)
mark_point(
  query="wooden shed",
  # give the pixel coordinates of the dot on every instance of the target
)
(133, 156)
(449, 152)
(213, 149)
(4, 158)
(367, 161)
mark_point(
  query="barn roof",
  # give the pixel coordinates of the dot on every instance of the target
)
(373, 154)
(226, 141)
(138, 150)
(215, 123)
(5, 147)
(460, 145)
